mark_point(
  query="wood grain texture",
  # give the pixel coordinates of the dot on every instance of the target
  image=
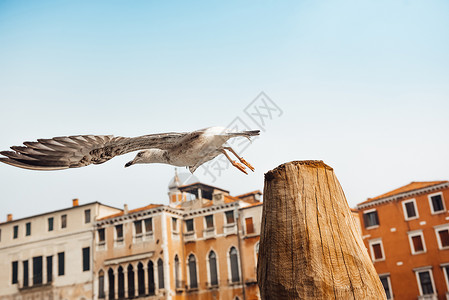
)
(310, 247)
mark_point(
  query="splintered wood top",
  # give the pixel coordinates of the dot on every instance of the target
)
(306, 163)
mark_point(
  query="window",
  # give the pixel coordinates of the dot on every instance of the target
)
(177, 273)
(230, 217)
(16, 231)
(63, 221)
(148, 225)
(61, 263)
(131, 286)
(370, 218)
(445, 268)
(174, 224)
(49, 268)
(87, 216)
(111, 286)
(417, 244)
(189, 225)
(377, 251)
(15, 272)
(25, 273)
(436, 203)
(160, 273)
(249, 225)
(234, 263)
(119, 232)
(385, 280)
(425, 281)
(213, 269)
(86, 259)
(209, 222)
(193, 280)
(442, 233)
(101, 235)
(101, 294)
(37, 270)
(121, 283)
(138, 227)
(151, 285)
(50, 224)
(28, 229)
(410, 210)
(141, 279)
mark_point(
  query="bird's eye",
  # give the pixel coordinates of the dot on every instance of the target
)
(139, 154)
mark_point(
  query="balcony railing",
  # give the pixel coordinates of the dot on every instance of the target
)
(209, 233)
(189, 236)
(180, 285)
(428, 297)
(230, 229)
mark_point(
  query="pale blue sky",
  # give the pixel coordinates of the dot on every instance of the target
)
(363, 85)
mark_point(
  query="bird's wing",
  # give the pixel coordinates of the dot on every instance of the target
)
(77, 151)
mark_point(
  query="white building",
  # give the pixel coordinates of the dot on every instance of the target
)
(50, 256)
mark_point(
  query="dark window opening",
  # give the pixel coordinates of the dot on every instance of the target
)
(174, 224)
(37, 270)
(410, 208)
(16, 231)
(121, 283)
(15, 272)
(86, 259)
(87, 216)
(25, 273)
(213, 268)
(371, 219)
(131, 286)
(377, 249)
(111, 287)
(189, 225)
(63, 221)
(50, 224)
(148, 225)
(437, 203)
(426, 283)
(384, 280)
(444, 237)
(417, 243)
(61, 268)
(160, 273)
(101, 294)
(101, 235)
(138, 227)
(192, 272)
(49, 268)
(235, 277)
(119, 231)
(230, 217)
(141, 279)
(249, 225)
(177, 273)
(28, 229)
(209, 221)
(151, 285)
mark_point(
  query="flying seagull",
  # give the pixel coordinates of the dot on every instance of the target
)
(189, 149)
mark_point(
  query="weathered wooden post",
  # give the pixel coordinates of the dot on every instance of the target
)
(310, 247)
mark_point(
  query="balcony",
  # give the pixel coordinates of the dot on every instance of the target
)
(209, 233)
(189, 236)
(429, 297)
(180, 286)
(229, 229)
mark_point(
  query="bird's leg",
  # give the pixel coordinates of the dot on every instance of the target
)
(234, 163)
(240, 158)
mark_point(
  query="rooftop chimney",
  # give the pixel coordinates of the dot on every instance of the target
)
(125, 209)
(9, 218)
(75, 202)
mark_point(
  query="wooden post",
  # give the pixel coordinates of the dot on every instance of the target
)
(310, 247)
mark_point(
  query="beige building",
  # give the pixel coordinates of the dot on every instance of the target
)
(49, 256)
(203, 245)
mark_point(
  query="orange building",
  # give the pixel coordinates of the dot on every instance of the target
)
(203, 245)
(406, 232)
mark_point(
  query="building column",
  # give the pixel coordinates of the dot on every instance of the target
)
(20, 273)
(116, 283)
(106, 285)
(44, 269)
(125, 275)
(30, 272)
(136, 280)
(145, 276)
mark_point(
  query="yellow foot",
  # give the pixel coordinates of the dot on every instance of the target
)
(239, 166)
(247, 164)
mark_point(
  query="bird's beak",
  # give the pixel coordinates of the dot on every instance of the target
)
(130, 163)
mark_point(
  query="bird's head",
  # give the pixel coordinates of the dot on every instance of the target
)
(147, 157)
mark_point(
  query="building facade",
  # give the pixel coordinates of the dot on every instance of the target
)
(406, 232)
(50, 256)
(203, 245)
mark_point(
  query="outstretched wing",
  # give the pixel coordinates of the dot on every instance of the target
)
(77, 151)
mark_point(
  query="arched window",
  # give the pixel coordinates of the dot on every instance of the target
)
(101, 284)
(213, 268)
(234, 261)
(192, 272)
(160, 273)
(111, 286)
(131, 287)
(151, 285)
(141, 279)
(121, 283)
(177, 273)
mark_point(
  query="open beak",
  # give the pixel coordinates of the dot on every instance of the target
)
(130, 163)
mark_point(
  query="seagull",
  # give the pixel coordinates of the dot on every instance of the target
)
(189, 149)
